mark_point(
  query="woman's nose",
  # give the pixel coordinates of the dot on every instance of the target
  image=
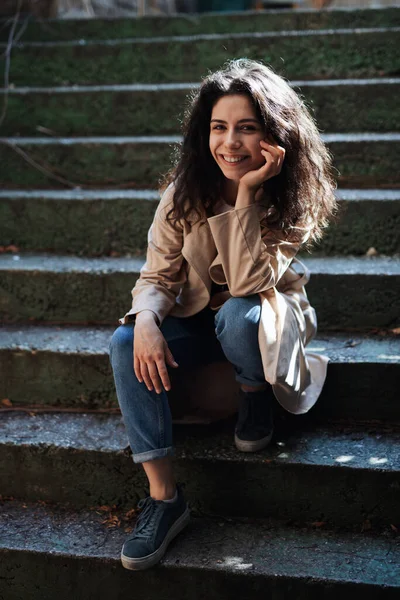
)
(232, 139)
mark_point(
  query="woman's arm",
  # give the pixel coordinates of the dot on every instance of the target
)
(163, 274)
(252, 262)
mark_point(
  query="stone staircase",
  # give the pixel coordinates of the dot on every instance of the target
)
(93, 112)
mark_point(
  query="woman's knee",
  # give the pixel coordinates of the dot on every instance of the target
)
(238, 318)
(121, 343)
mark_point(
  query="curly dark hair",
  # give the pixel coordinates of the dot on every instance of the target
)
(302, 195)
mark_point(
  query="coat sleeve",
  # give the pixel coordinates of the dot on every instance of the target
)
(164, 273)
(253, 260)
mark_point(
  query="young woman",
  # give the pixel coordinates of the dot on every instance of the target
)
(252, 184)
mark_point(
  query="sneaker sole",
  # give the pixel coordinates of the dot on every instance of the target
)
(137, 564)
(252, 446)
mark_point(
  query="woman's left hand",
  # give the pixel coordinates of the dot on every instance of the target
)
(274, 156)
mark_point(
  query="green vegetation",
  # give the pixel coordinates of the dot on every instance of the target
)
(308, 57)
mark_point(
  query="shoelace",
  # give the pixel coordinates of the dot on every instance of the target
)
(146, 521)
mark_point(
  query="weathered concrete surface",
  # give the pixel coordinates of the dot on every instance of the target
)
(63, 551)
(310, 55)
(272, 20)
(97, 290)
(340, 106)
(105, 222)
(69, 367)
(362, 160)
(367, 218)
(92, 225)
(341, 476)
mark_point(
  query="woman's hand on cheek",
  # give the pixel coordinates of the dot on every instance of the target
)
(274, 156)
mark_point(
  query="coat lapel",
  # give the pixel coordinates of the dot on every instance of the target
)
(199, 250)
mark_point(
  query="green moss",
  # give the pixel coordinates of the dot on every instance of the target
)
(336, 109)
(68, 297)
(361, 164)
(104, 165)
(103, 227)
(86, 227)
(101, 113)
(308, 57)
(195, 24)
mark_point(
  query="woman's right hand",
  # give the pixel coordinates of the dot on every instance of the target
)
(151, 353)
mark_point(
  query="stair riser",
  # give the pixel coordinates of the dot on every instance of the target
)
(101, 227)
(104, 578)
(296, 57)
(361, 301)
(361, 164)
(340, 108)
(306, 493)
(360, 392)
(272, 21)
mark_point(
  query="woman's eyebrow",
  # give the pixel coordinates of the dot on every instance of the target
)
(241, 120)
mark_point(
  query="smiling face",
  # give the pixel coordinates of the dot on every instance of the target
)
(235, 134)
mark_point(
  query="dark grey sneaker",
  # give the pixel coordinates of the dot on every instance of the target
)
(158, 523)
(254, 427)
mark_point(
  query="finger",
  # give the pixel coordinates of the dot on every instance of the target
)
(136, 368)
(269, 142)
(268, 157)
(146, 376)
(169, 358)
(274, 148)
(163, 373)
(275, 162)
(153, 372)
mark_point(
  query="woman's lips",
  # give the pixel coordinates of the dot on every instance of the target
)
(235, 162)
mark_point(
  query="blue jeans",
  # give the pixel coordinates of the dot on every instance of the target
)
(230, 334)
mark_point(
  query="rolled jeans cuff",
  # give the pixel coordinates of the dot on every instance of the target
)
(152, 454)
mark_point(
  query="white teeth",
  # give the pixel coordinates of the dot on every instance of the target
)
(234, 160)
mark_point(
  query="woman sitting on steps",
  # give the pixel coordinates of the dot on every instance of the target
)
(253, 183)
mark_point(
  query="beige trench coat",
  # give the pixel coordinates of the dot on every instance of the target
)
(235, 247)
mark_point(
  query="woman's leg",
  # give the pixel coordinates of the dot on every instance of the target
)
(237, 324)
(146, 414)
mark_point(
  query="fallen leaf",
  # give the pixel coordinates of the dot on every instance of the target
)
(395, 529)
(6, 402)
(318, 524)
(112, 521)
(395, 331)
(10, 248)
(105, 508)
(130, 514)
(128, 529)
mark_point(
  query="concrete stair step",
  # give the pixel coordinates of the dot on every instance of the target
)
(343, 475)
(243, 21)
(215, 559)
(365, 160)
(68, 368)
(306, 54)
(346, 292)
(111, 222)
(338, 105)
